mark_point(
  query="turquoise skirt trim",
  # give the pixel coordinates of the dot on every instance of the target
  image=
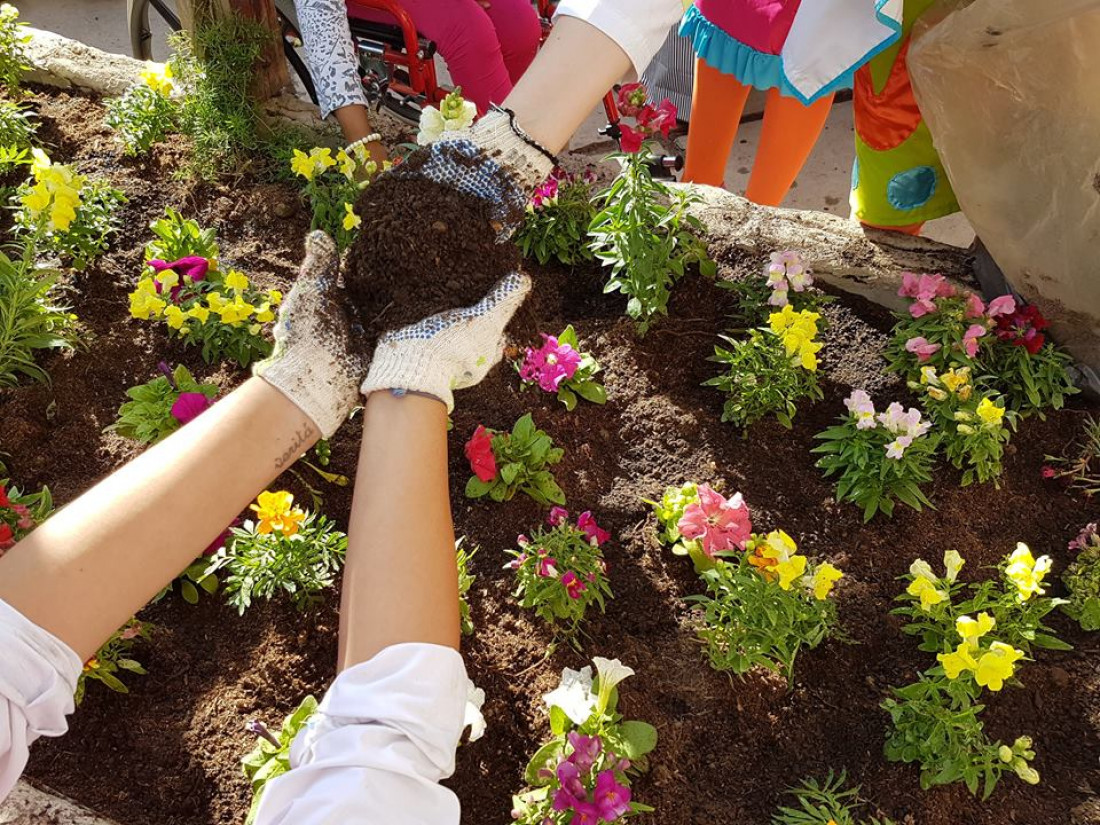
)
(759, 69)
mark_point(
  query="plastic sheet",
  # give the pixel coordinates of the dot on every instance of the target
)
(1011, 93)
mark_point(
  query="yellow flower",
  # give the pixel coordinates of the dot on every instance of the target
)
(215, 300)
(956, 379)
(236, 280)
(958, 662)
(318, 160)
(351, 220)
(797, 331)
(145, 304)
(925, 590)
(937, 393)
(790, 570)
(174, 317)
(780, 550)
(159, 80)
(1027, 572)
(264, 313)
(91, 664)
(235, 312)
(347, 163)
(928, 376)
(167, 278)
(199, 313)
(301, 164)
(825, 576)
(997, 665)
(970, 630)
(275, 296)
(37, 199)
(989, 413)
(276, 512)
(954, 563)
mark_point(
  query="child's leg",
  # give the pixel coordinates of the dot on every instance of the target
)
(518, 31)
(468, 42)
(716, 105)
(787, 137)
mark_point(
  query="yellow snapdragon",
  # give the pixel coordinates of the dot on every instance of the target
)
(925, 585)
(1027, 572)
(797, 331)
(825, 576)
(991, 667)
(351, 220)
(159, 79)
(989, 413)
(316, 162)
(55, 193)
(144, 301)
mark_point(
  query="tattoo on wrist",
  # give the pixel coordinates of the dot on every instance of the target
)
(291, 453)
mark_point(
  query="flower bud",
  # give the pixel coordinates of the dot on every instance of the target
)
(966, 429)
(1005, 753)
(1025, 771)
(963, 415)
(1022, 743)
(937, 393)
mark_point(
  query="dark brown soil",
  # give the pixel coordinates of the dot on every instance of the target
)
(167, 754)
(423, 248)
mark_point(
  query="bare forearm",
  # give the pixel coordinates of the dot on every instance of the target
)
(101, 558)
(400, 581)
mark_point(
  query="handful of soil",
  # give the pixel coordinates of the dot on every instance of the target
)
(423, 248)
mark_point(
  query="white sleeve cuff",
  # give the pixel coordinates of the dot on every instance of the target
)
(382, 738)
(38, 674)
(638, 27)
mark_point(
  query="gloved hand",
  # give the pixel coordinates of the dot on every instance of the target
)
(314, 363)
(494, 161)
(449, 351)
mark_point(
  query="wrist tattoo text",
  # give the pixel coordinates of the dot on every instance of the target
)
(294, 450)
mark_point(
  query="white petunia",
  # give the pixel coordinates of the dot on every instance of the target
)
(473, 718)
(574, 695)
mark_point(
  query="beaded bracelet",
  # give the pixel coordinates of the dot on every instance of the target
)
(374, 137)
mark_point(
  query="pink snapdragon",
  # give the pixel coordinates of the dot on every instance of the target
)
(975, 307)
(924, 290)
(720, 524)
(612, 799)
(970, 339)
(897, 419)
(550, 365)
(649, 119)
(586, 523)
(547, 194)
(548, 567)
(574, 585)
(558, 515)
(860, 405)
(922, 348)
(1003, 305)
(586, 750)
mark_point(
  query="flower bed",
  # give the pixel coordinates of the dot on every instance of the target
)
(728, 746)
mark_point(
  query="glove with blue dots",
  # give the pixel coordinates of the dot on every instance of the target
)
(449, 351)
(314, 363)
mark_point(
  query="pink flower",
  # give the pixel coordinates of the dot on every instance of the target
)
(131, 632)
(1047, 471)
(924, 289)
(557, 516)
(970, 339)
(25, 523)
(975, 307)
(860, 405)
(574, 586)
(909, 284)
(550, 365)
(921, 347)
(189, 405)
(4, 500)
(522, 540)
(192, 267)
(586, 813)
(660, 118)
(612, 799)
(896, 448)
(586, 750)
(1004, 305)
(7, 536)
(720, 524)
(548, 567)
(547, 193)
(479, 452)
(631, 140)
(517, 562)
(632, 97)
(569, 776)
(586, 523)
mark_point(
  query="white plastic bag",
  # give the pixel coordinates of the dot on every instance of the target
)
(1011, 93)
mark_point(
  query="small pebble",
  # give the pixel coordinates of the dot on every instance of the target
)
(439, 226)
(284, 209)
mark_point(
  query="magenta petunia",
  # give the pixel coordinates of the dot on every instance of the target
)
(550, 365)
(189, 406)
(720, 524)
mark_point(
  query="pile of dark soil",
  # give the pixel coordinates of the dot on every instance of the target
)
(167, 754)
(423, 248)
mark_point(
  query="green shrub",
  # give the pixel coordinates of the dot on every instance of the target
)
(29, 318)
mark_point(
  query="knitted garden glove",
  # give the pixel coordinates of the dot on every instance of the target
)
(494, 161)
(314, 364)
(449, 351)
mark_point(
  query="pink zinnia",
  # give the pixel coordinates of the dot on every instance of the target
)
(586, 523)
(574, 586)
(921, 348)
(718, 523)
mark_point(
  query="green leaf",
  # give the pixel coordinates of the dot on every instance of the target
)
(476, 488)
(639, 738)
(559, 722)
(509, 472)
(189, 592)
(542, 758)
(568, 398)
(592, 391)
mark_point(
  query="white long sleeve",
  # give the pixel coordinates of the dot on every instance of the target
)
(330, 52)
(383, 737)
(639, 27)
(38, 674)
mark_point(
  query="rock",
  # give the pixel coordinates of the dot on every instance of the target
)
(284, 209)
(59, 61)
(30, 806)
(1060, 677)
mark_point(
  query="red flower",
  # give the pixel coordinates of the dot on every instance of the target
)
(631, 140)
(1023, 328)
(479, 451)
(4, 500)
(660, 118)
(1047, 471)
(632, 97)
(6, 535)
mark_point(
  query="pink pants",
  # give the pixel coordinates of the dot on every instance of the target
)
(486, 49)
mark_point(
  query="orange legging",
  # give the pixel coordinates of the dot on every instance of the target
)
(789, 133)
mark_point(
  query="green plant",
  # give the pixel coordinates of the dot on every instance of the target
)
(1026, 368)
(1082, 580)
(332, 185)
(145, 114)
(761, 379)
(645, 236)
(17, 125)
(215, 65)
(114, 656)
(592, 746)
(825, 803)
(271, 756)
(195, 578)
(787, 281)
(557, 220)
(506, 463)
(879, 458)
(20, 512)
(13, 54)
(560, 570)
(285, 550)
(466, 579)
(766, 606)
(151, 414)
(559, 366)
(178, 237)
(29, 319)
